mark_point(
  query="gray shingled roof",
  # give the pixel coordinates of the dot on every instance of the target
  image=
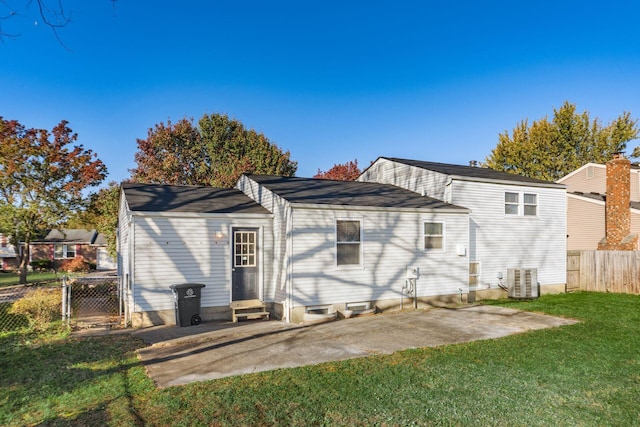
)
(347, 193)
(476, 173)
(70, 235)
(185, 198)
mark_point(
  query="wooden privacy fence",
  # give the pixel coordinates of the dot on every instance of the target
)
(604, 271)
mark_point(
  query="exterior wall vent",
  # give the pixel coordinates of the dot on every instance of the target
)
(522, 283)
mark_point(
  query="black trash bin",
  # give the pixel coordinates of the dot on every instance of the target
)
(187, 300)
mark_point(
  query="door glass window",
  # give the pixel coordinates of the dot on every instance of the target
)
(245, 248)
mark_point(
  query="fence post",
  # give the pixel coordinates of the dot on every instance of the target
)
(64, 299)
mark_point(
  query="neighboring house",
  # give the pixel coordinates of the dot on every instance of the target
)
(300, 245)
(65, 244)
(601, 199)
(8, 259)
(515, 222)
(104, 261)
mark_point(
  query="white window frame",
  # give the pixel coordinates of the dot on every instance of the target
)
(243, 257)
(425, 235)
(525, 204)
(360, 264)
(477, 274)
(516, 203)
(65, 251)
(521, 211)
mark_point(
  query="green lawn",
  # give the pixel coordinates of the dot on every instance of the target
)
(10, 278)
(586, 374)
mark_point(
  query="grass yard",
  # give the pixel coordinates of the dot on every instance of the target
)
(586, 374)
(11, 278)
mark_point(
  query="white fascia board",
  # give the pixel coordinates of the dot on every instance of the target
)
(580, 169)
(508, 182)
(460, 210)
(201, 215)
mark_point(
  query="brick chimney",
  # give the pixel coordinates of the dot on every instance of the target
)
(618, 235)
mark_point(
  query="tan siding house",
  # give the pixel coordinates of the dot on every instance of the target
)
(586, 202)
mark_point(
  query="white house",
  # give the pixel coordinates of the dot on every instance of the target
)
(515, 222)
(306, 246)
(300, 245)
(171, 234)
(341, 244)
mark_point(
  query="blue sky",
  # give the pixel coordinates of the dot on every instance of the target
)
(330, 81)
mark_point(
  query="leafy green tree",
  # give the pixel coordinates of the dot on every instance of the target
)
(101, 213)
(41, 181)
(550, 149)
(216, 152)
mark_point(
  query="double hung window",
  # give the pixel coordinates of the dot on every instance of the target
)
(62, 251)
(433, 235)
(348, 242)
(520, 204)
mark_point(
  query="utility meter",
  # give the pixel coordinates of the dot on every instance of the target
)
(413, 272)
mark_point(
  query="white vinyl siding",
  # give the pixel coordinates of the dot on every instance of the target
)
(501, 241)
(172, 250)
(387, 172)
(391, 241)
(275, 288)
(504, 241)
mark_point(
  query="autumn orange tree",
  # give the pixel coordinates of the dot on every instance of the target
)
(42, 177)
(214, 152)
(348, 171)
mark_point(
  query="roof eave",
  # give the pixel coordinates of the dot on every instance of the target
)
(459, 210)
(200, 214)
(508, 182)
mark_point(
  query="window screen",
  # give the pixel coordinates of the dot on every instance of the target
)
(348, 242)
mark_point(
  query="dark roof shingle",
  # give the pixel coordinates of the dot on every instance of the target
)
(71, 235)
(471, 172)
(602, 198)
(346, 193)
(186, 198)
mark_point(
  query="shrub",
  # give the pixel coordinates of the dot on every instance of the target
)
(76, 265)
(41, 264)
(40, 307)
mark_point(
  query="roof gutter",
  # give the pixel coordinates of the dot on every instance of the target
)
(508, 182)
(459, 210)
(199, 214)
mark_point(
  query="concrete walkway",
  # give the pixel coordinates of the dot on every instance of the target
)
(215, 350)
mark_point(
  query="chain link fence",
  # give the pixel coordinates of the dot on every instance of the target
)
(86, 302)
(91, 301)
